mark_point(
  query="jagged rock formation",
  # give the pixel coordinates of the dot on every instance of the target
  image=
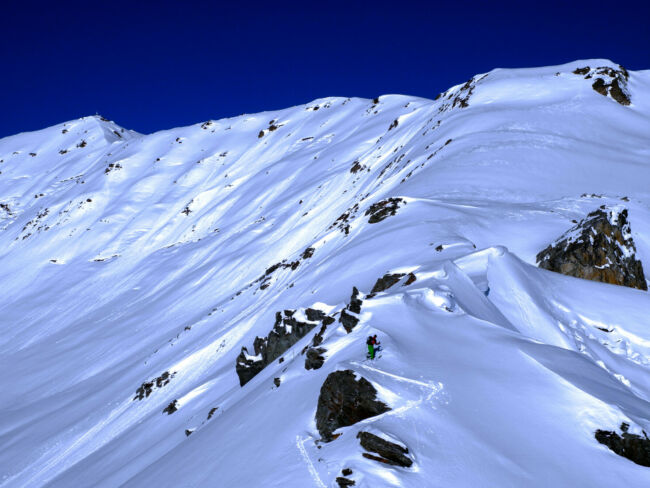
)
(631, 446)
(608, 81)
(389, 452)
(344, 401)
(286, 331)
(348, 316)
(599, 248)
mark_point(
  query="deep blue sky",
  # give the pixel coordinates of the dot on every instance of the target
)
(158, 65)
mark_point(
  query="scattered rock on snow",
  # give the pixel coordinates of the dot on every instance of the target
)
(598, 248)
(383, 209)
(390, 452)
(344, 401)
(631, 446)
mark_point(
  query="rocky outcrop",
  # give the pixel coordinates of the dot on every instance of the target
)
(389, 452)
(390, 279)
(287, 330)
(349, 314)
(630, 446)
(598, 248)
(383, 209)
(345, 400)
(608, 81)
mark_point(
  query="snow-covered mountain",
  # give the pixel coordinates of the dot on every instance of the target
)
(134, 268)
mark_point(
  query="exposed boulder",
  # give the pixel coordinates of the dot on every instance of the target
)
(598, 248)
(171, 408)
(344, 401)
(631, 446)
(286, 332)
(343, 482)
(390, 452)
(315, 358)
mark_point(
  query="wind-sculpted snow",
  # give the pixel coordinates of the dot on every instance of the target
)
(134, 268)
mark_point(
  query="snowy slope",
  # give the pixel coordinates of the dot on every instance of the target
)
(123, 256)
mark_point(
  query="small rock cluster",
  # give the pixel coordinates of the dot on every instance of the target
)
(146, 388)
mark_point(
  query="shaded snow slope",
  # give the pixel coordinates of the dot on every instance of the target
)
(124, 256)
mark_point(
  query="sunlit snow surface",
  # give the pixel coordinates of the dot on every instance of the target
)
(123, 256)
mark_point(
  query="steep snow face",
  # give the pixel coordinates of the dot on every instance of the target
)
(135, 267)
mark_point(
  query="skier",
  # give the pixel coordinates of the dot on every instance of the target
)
(373, 346)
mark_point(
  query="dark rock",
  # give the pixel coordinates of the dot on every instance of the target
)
(410, 279)
(600, 86)
(314, 358)
(309, 252)
(212, 411)
(356, 167)
(246, 367)
(146, 388)
(188, 432)
(286, 332)
(346, 471)
(598, 248)
(343, 482)
(314, 315)
(383, 209)
(355, 301)
(390, 452)
(171, 408)
(345, 401)
(276, 382)
(386, 281)
(348, 321)
(630, 446)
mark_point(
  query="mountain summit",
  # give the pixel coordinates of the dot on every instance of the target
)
(191, 307)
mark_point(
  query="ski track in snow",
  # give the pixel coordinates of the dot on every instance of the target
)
(300, 443)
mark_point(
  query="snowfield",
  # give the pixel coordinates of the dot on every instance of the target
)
(129, 258)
